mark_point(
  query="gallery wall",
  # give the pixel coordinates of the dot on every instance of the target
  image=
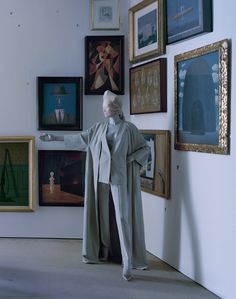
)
(194, 230)
(45, 38)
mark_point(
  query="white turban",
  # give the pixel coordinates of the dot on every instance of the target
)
(115, 104)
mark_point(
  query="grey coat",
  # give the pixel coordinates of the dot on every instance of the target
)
(104, 165)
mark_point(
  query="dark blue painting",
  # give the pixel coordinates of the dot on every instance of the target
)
(60, 103)
(186, 18)
(198, 99)
(59, 97)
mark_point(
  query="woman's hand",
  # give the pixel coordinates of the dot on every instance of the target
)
(129, 159)
(46, 137)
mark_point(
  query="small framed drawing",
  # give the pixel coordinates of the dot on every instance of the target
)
(146, 30)
(104, 64)
(60, 103)
(186, 18)
(17, 173)
(155, 175)
(104, 14)
(61, 177)
(148, 87)
(202, 99)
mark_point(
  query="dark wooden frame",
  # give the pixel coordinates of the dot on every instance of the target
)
(153, 91)
(73, 88)
(94, 44)
(68, 169)
(202, 23)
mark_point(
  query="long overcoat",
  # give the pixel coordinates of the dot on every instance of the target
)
(129, 146)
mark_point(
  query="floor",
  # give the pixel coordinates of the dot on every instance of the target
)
(52, 269)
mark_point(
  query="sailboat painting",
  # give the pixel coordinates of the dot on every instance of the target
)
(187, 18)
(16, 173)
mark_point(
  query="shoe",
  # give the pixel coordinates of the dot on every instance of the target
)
(127, 274)
(127, 277)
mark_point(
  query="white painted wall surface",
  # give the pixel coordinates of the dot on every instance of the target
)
(194, 231)
(44, 38)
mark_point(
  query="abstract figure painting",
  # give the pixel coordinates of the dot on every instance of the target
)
(146, 30)
(60, 103)
(148, 87)
(155, 175)
(61, 177)
(17, 173)
(186, 18)
(202, 99)
(104, 64)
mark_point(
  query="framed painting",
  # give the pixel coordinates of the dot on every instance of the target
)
(155, 175)
(104, 14)
(17, 173)
(148, 87)
(104, 64)
(202, 99)
(61, 177)
(60, 103)
(187, 18)
(146, 30)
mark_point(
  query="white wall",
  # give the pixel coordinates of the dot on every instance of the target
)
(194, 231)
(44, 38)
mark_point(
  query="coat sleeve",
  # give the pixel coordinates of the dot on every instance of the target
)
(79, 141)
(140, 149)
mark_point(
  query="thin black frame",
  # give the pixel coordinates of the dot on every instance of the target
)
(62, 163)
(202, 23)
(77, 97)
(91, 45)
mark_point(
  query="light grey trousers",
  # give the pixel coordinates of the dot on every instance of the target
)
(123, 219)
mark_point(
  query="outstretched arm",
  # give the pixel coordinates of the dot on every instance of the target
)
(78, 141)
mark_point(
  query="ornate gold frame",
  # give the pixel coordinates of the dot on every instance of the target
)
(222, 47)
(7, 144)
(160, 49)
(160, 183)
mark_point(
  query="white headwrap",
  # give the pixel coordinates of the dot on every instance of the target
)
(109, 98)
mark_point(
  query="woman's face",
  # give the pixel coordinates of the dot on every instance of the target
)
(107, 110)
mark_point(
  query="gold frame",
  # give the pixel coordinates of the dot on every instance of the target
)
(160, 49)
(30, 140)
(160, 183)
(221, 92)
(105, 25)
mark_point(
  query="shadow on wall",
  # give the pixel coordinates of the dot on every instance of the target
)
(177, 207)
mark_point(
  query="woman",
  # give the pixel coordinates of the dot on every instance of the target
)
(115, 152)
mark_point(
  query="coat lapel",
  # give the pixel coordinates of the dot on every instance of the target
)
(118, 136)
(104, 140)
